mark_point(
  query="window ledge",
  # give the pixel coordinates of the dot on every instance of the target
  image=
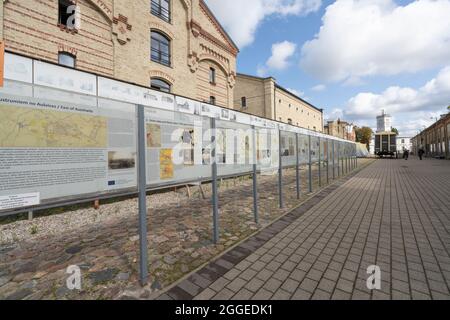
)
(161, 18)
(162, 64)
(63, 27)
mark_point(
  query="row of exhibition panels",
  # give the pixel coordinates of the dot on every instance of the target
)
(109, 106)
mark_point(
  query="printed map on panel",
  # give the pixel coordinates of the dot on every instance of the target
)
(35, 128)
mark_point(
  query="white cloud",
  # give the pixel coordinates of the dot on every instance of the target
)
(334, 114)
(281, 52)
(319, 87)
(361, 38)
(279, 60)
(242, 18)
(412, 108)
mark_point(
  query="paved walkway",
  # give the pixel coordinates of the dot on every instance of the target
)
(394, 214)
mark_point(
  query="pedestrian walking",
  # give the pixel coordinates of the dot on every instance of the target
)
(421, 152)
(406, 154)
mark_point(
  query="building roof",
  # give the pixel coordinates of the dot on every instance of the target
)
(443, 118)
(216, 21)
(254, 77)
(281, 88)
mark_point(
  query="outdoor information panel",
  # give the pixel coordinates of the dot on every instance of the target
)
(67, 135)
(54, 150)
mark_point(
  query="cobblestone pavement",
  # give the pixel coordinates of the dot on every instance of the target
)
(394, 214)
(179, 236)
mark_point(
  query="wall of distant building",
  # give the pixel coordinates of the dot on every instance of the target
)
(434, 140)
(263, 97)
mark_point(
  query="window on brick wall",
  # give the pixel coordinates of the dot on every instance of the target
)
(212, 100)
(67, 13)
(160, 48)
(160, 85)
(212, 75)
(66, 59)
(244, 102)
(161, 9)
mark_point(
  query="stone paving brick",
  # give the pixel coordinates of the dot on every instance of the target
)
(290, 285)
(190, 288)
(345, 285)
(327, 285)
(348, 275)
(206, 294)
(243, 294)
(379, 295)
(298, 275)
(321, 295)
(301, 294)
(419, 295)
(248, 274)
(340, 295)
(243, 265)
(264, 274)
(224, 294)
(254, 285)
(281, 295)
(281, 275)
(219, 284)
(272, 285)
(331, 275)
(308, 285)
(360, 295)
(289, 266)
(399, 295)
(262, 295)
(232, 274)
(377, 217)
(314, 274)
(273, 266)
(236, 284)
(258, 265)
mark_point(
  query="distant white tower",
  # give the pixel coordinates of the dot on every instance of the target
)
(384, 123)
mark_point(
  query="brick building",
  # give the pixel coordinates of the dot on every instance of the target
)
(170, 45)
(341, 129)
(434, 140)
(263, 97)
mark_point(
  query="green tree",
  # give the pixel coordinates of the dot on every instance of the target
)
(363, 135)
(395, 130)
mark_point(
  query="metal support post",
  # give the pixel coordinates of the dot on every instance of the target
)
(255, 187)
(320, 163)
(280, 171)
(142, 181)
(297, 164)
(215, 197)
(310, 165)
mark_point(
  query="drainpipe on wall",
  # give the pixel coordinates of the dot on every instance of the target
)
(275, 101)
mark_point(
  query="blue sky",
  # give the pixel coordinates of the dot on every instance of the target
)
(351, 57)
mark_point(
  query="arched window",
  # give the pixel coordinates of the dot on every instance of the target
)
(160, 85)
(212, 100)
(66, 59)
(160, 48)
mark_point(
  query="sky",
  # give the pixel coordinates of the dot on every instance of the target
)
(353, 58)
